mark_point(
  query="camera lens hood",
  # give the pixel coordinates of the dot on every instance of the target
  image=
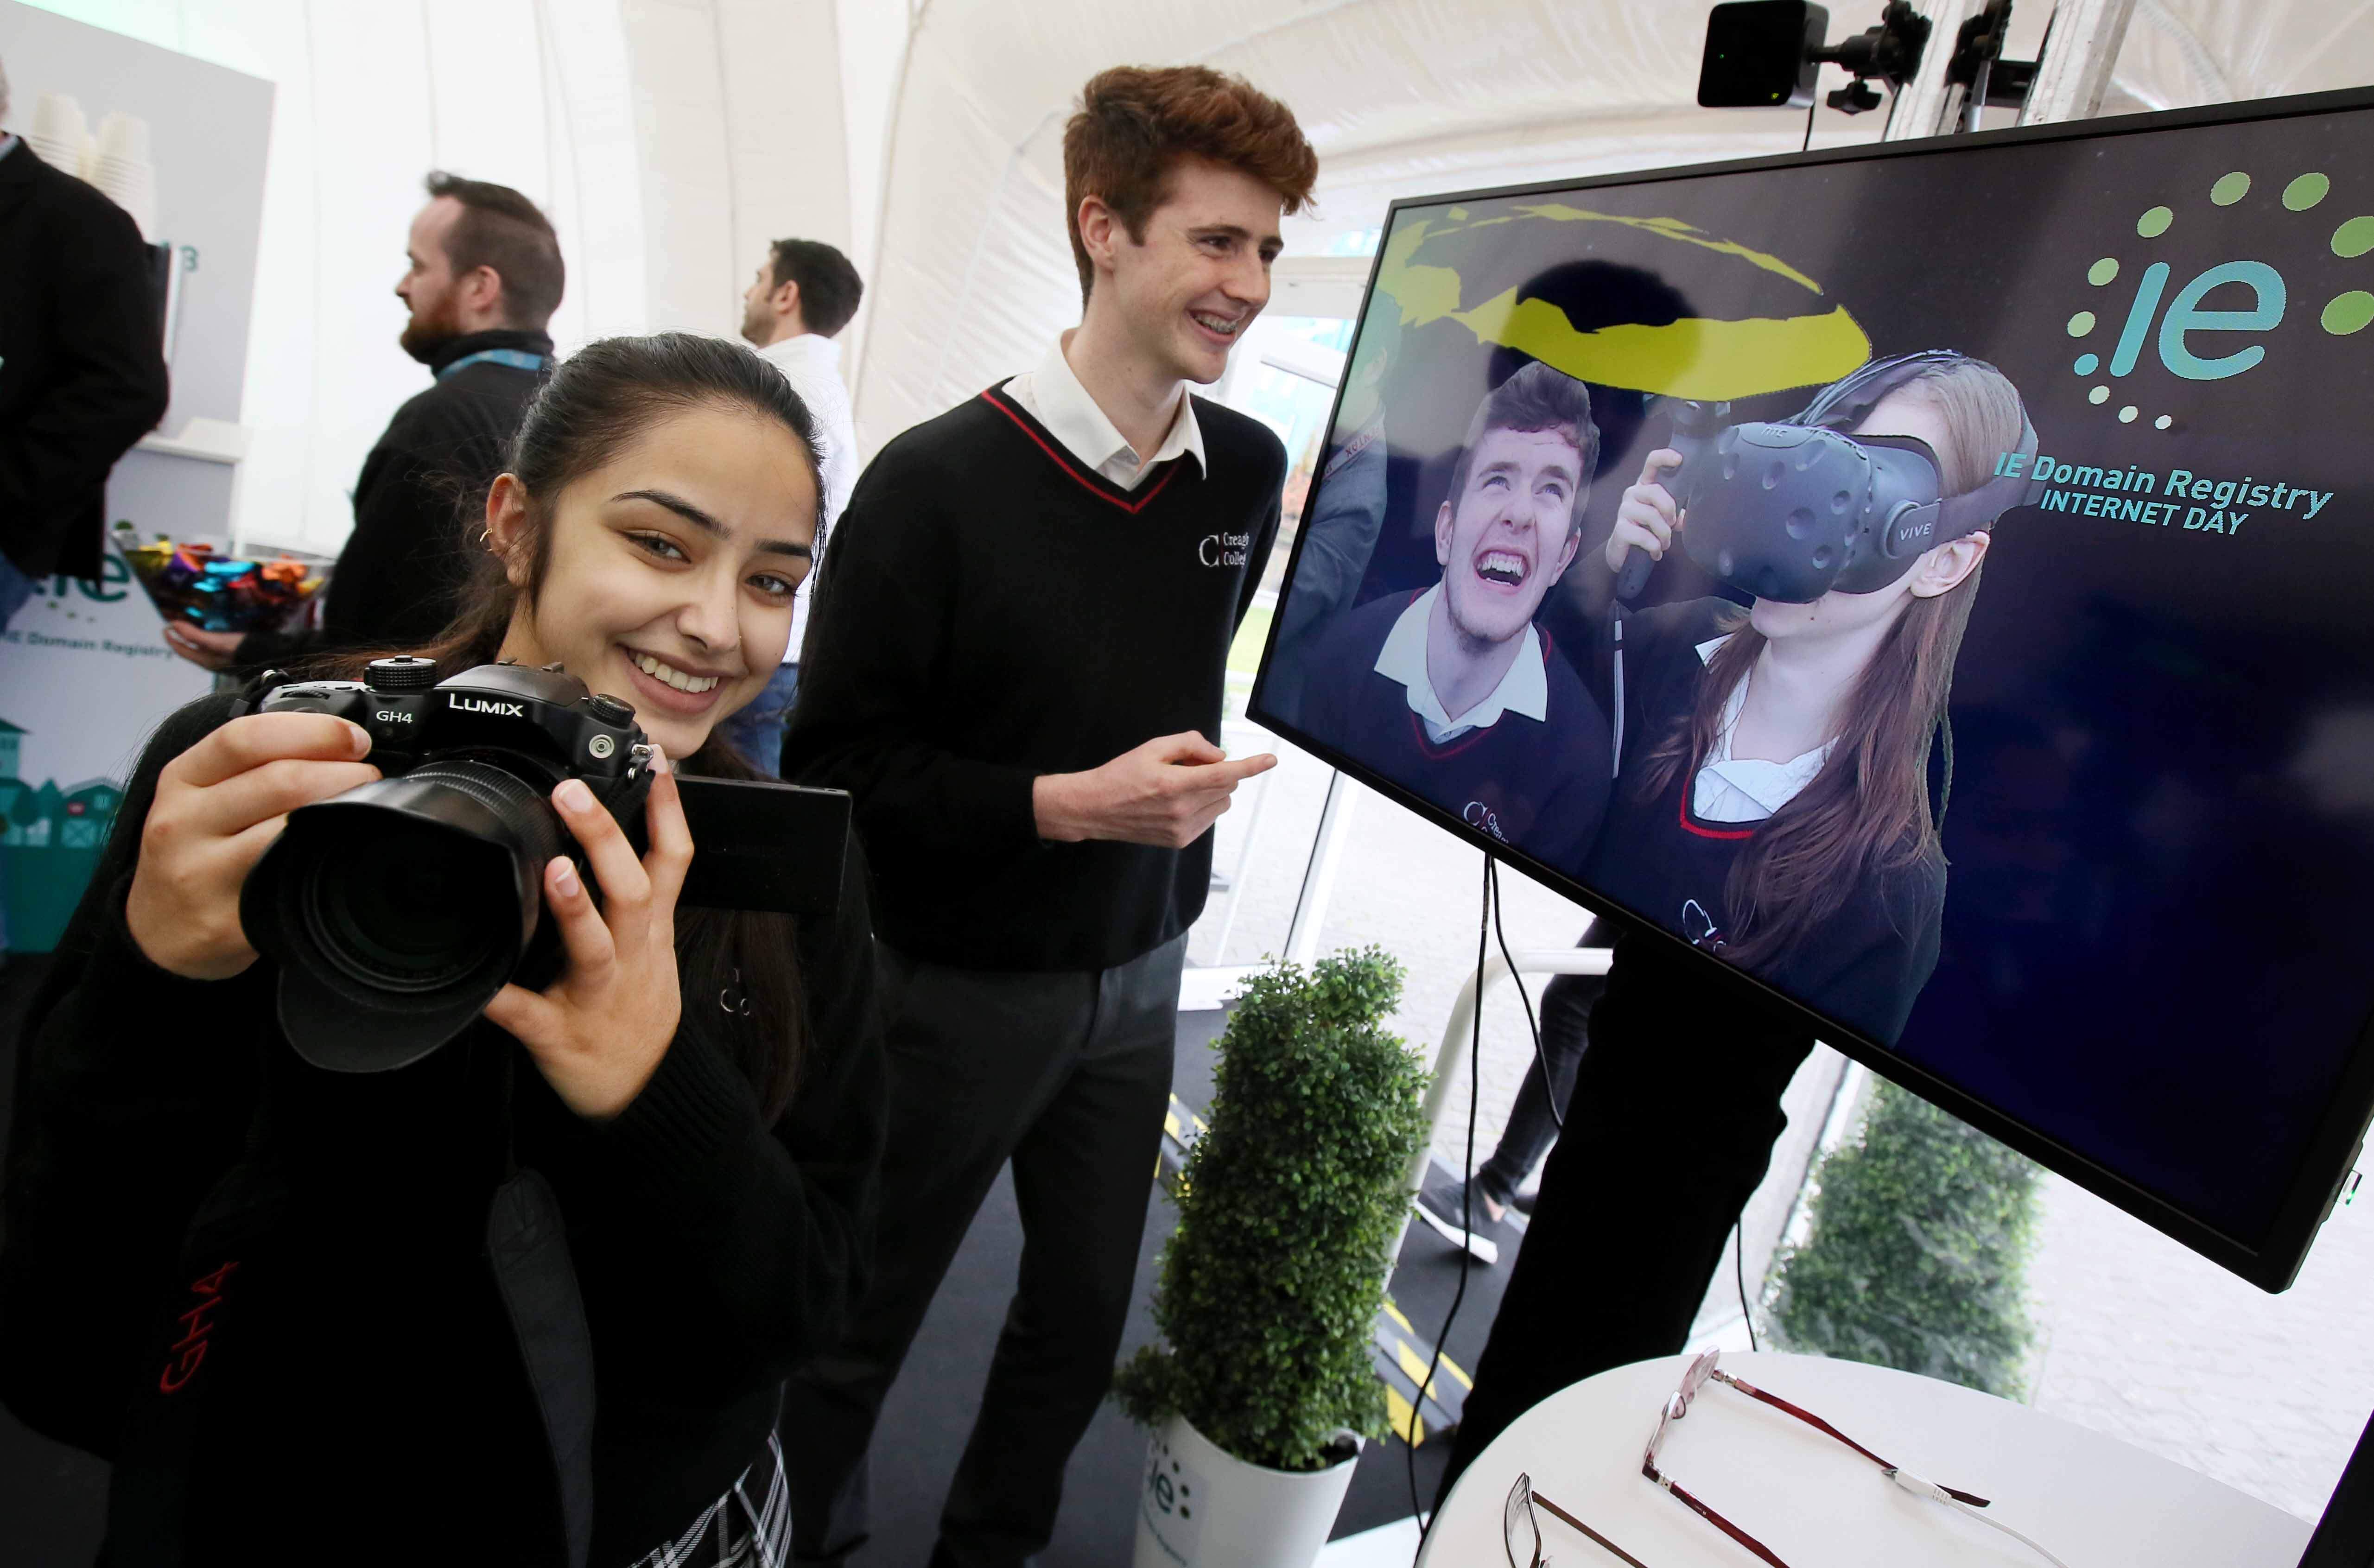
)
(396, 910)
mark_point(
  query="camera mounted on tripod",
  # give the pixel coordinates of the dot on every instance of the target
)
(1769, 54)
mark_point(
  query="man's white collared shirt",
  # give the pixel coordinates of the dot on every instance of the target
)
(812, 365)
(1053, 395)
(1525, 689)
(1731, 789)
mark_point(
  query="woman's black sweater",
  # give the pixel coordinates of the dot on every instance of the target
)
(1863, 965)
(356, 1370)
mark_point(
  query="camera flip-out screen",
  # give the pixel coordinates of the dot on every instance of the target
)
(1659, 514)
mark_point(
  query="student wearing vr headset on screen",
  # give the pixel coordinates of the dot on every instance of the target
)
(1773, 804)
(530, 1297)
(1773, 808)
(1454, 692)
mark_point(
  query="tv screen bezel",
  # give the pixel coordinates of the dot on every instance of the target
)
(2270, 1261)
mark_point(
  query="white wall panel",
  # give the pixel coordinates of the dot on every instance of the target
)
(873, 38)
(598, 201)
(780, 63)
(367, 144)
(486, 93)
(671, 138)
(680, 127)
(536, 94)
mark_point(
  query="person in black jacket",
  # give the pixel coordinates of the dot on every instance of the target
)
(1774, 810)
(264, 1291)
(82, 365)
(483, 276)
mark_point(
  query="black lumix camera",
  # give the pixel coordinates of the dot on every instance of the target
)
(397, 910)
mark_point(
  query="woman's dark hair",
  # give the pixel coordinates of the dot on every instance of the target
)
(1868, 808)
(598, 400)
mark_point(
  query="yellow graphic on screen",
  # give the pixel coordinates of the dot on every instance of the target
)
(1696, 357)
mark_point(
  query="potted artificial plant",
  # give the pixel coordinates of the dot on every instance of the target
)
(1289, 1210)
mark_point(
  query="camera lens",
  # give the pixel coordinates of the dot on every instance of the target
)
(410, 908)
(397, 910)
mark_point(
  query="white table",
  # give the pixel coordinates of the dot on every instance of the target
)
(2094, 1500)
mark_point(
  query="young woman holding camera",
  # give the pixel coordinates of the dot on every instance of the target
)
(284, 1302)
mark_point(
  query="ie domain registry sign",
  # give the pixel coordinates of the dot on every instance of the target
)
(85, 679)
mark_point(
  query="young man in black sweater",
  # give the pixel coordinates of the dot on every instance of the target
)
(1453, 692)
(1015, 664)
(483, 276)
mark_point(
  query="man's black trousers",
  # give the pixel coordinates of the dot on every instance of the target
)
(1670, 1127)
(1532, 1124)
(1068, 1076)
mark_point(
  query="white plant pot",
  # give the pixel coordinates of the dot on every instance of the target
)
(1198, 1507)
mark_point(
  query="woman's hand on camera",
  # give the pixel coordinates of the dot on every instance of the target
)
(1649, 517)
(598, 1032)
(218, 807)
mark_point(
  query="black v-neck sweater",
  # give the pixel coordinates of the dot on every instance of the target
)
(994, 610)
(1538, 785)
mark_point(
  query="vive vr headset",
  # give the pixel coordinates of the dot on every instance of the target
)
(1789, 511)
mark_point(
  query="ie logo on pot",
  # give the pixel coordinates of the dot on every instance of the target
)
(2213, 324)
(1171, 1505)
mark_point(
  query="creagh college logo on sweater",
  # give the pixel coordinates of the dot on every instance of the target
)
(1223, 549)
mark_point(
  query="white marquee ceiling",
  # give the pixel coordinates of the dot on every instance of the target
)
(1401, 98)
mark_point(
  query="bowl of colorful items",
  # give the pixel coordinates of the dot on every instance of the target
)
(197, 585)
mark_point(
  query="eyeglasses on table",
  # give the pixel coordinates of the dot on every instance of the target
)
(1703, 1371)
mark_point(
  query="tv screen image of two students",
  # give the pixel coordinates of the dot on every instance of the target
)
(1792, 830)
(2115, 532)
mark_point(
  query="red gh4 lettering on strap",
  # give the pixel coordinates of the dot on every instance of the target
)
(197, 1325)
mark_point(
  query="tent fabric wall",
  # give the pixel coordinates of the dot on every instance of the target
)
(1401, 98)
(741, 140)
(533, 93)
(671, 139)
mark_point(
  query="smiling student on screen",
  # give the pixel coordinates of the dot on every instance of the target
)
(1453, 692)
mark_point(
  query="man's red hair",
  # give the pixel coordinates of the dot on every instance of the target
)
(1134, 123)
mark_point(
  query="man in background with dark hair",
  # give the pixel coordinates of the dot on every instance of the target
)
(805, 293)
(483, 276)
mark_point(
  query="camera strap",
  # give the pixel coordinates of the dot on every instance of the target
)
(231, 1245)
(239, 1241)
(528, 1247)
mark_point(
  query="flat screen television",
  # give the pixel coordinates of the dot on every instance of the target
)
(2069, 429)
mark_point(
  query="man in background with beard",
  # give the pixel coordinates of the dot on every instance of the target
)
(483, 275)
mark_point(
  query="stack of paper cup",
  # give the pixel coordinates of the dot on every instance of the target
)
(59, 137)
(121, 169)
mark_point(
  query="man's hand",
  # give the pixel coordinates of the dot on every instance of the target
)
(1166, 793)
(215, 651)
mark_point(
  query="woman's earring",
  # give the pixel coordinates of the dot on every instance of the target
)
(733, 1000)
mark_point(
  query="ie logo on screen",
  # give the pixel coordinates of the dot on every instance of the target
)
(2176, 322)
